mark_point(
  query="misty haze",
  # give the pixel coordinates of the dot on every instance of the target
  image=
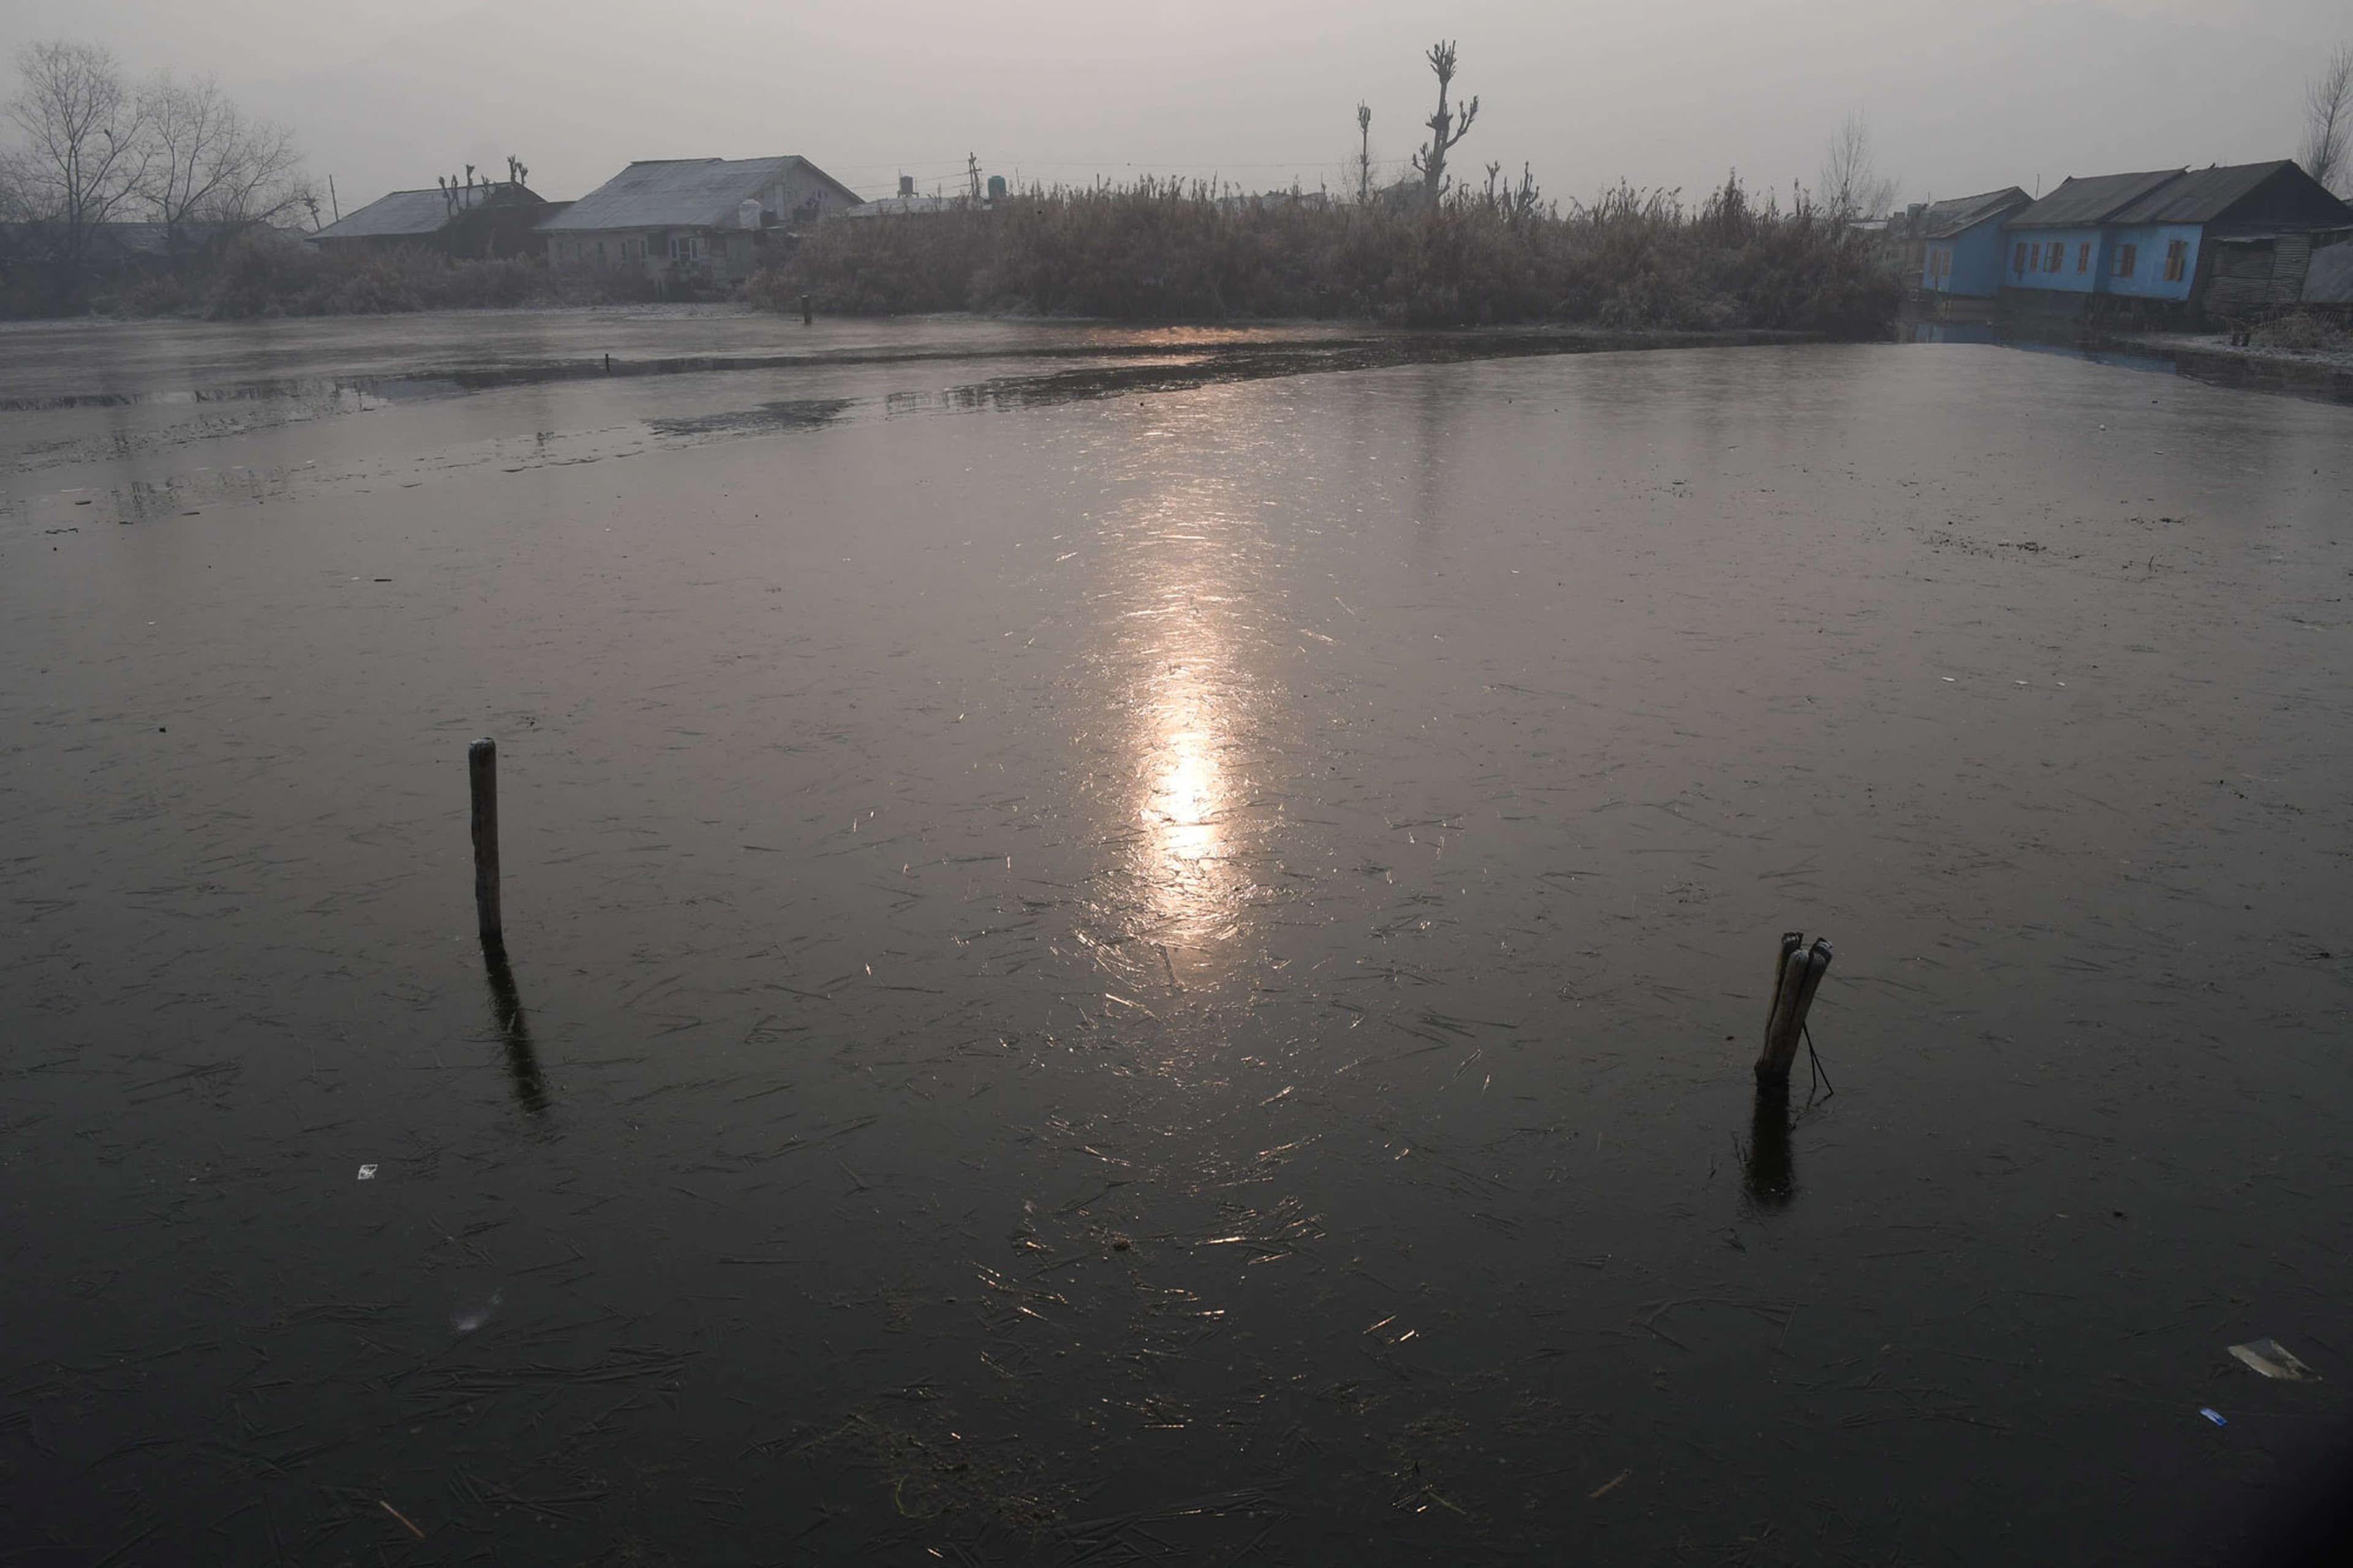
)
(1176, 785)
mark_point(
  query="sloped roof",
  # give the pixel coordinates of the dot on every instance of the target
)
(2202, 196)
(118, 239)
(2080, 203)
(683, 193)
(414, 211)
(1946, 218)
(146, 239)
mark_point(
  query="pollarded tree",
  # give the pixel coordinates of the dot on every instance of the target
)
(1445, 129)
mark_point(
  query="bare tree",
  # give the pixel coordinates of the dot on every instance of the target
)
(210, 163)
(2328, 123)
(1851, 185)
(86, 146)
(1445, 129)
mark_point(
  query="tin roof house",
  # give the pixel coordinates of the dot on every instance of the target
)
(1962, 243)
(701, 219)
(2174, 236)
(474, 220)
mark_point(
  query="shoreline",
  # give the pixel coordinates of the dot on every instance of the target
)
(2211, 357)
(1142, 354)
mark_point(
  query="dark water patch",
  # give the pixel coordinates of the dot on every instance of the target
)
(352, 394)
(791, 414)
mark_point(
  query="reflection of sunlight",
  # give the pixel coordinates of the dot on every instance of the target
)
(1185, 703)
(1185, 568)
(1184, 800)
(1191, 886)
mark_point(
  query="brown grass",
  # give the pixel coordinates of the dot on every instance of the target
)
(1156, 250)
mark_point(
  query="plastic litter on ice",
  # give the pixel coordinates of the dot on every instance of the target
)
(2274, 1359)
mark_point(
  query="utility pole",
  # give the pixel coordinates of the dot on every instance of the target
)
(972, 167)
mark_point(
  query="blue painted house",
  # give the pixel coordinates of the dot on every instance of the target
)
(2153, 240)
(2167, 245)
(1964, 246)
(2059, 245)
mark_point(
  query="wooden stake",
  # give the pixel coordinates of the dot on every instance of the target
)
(1799, 976)
(808, 312)
(483, 771)
(1773, 1061)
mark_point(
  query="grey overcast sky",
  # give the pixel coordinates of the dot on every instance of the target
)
(1961, 98)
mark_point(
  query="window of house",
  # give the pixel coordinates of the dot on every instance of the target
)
(2056, 256)
(2177, 261)
(2126, 255)
(2084, 257)
(686, 248)
(2018, 257)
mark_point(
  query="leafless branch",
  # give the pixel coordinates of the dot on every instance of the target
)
(1445, 129)
(2328, 123)
(85, 142)
(1851, 185)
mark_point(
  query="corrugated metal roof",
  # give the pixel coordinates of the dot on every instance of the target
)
(1945, 219)
(402, 212)
(2201, 195)
(2082, 203)
(683, 192)
(417, 214)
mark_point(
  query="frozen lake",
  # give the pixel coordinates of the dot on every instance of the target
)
(1145, 946)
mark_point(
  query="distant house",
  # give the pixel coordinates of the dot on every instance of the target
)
(1962, 242)
(909, 206)
(2174, 237)
(112, 253)
(474, 221)
(705, 219)
(907, 203)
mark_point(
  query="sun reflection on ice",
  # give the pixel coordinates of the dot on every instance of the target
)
(1193, 886)
(1184, 801)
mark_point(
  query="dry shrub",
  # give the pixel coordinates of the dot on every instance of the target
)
(269, 277)
(2301, 330)
(1158, 250)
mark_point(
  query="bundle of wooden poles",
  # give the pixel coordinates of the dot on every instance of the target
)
(1795, 980)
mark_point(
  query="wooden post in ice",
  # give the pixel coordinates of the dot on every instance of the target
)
(483, 771)
(1794, 983)
(808, 312)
